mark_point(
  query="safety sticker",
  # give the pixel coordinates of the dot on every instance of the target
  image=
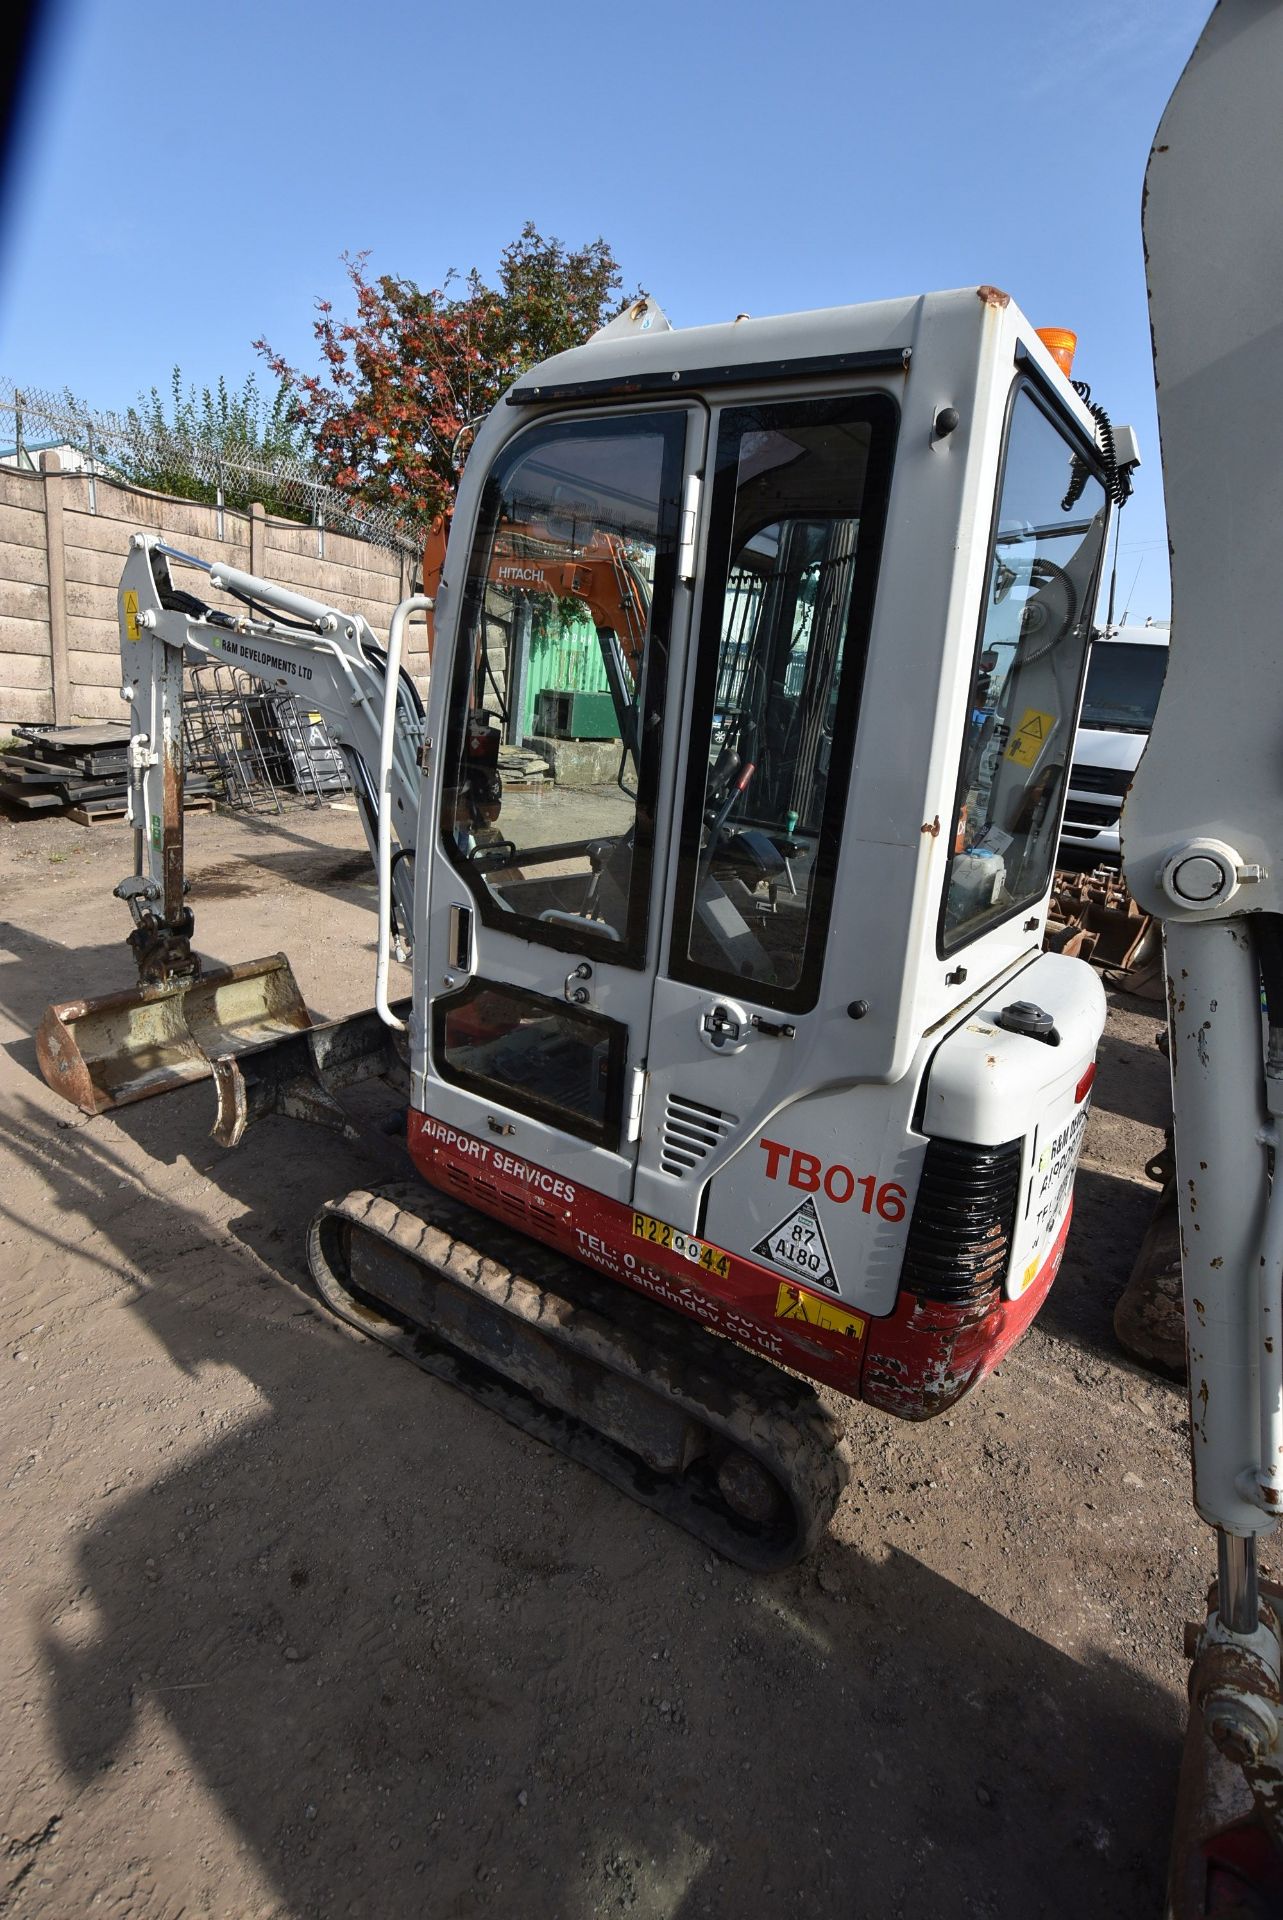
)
(798, 1245)
(698, 1252)
(793, 1304)
(132, 629)
(1030, 737)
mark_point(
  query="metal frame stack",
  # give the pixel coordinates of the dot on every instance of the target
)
(255, 744)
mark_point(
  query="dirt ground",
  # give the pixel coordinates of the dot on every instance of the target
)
(292, 1630)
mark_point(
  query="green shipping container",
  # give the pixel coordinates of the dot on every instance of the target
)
(565, 658)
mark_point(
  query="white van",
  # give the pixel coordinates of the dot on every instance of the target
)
(1124, 680)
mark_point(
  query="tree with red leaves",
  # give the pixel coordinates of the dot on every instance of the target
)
(404, 381)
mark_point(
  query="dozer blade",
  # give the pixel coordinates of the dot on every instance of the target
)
(121, 1047)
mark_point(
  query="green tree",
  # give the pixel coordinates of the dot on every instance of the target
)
(238, 439)
(403, 382)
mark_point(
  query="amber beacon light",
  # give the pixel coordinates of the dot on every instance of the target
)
(1060, 344)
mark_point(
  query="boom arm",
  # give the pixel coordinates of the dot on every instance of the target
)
(1203, 846)
(329, 659)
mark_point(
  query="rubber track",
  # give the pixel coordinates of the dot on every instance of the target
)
(739, 1400)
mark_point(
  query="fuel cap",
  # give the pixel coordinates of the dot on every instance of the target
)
(1027, 1018)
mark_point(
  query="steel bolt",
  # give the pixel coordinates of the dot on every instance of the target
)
(1242, 1726)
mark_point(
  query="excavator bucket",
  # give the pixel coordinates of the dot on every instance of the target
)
(121, 1047)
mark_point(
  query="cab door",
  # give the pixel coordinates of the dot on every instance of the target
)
(542, 919)
(752, 1013)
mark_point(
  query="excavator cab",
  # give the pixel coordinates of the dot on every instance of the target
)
(751, 1012)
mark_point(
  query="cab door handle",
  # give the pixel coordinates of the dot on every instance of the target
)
(461, 938)
(724, 1027)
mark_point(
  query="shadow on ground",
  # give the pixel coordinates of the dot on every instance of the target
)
(376, 1619)
(412, 1655)
(1110, 1219)
(323, 869)
(1133, 1080)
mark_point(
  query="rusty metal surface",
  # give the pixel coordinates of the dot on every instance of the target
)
(231, 1116)
(1218, 1845)
(1064, 937)
(298, 1074)
(1093, 917)
(1149, 1314)
(116, 1048)
(171, 770)
(1227, 1841)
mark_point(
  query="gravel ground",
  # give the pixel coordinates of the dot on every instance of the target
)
(291, 1630)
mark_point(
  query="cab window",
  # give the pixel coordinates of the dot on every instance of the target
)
(799, 494)
(1027, 674)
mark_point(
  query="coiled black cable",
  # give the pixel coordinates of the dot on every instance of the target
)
(1118, 480)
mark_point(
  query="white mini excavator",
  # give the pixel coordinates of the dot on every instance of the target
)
(736, 1064)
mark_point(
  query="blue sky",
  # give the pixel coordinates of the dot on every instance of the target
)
(189, 174)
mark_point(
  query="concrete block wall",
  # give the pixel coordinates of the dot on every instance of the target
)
(63, 540)
(26, 666)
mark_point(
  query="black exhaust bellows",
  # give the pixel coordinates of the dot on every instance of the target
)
(960, 1235)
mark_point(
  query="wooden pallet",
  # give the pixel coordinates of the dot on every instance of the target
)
(84, 817)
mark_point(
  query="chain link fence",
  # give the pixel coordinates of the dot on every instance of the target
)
(126, 448)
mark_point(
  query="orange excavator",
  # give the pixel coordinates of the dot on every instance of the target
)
(532, 559)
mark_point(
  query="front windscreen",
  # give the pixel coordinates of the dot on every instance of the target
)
(1040, 589)
(1124, 681)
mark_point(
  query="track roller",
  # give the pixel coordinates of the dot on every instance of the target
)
(743, 1456)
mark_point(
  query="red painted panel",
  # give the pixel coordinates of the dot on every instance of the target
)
(914, 1362)
(921, 1359)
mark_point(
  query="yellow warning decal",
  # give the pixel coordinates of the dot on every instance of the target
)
(132, 629)
(1028, 1277)
(1030, 737)
(658, 1233)
(792, 1304)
